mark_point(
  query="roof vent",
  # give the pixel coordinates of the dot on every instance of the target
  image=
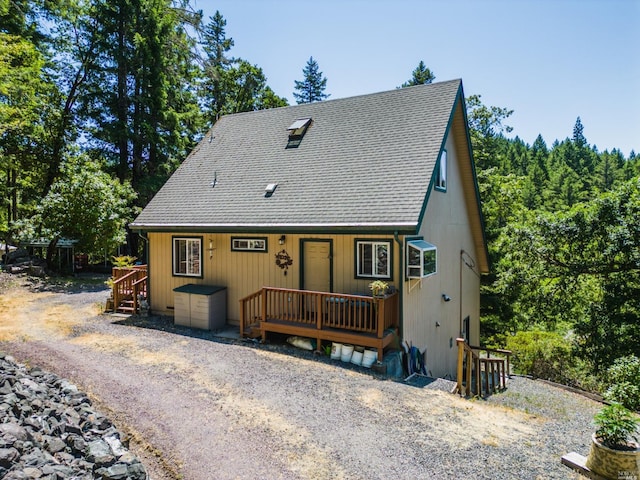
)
(296, 131)
(270, 189)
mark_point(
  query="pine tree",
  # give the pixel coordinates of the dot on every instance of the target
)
(216, 44)
(311, 89)
(578, 135)
(246, 89)
(216, 65)
(420, 76)
(141, 105)
(231, 85)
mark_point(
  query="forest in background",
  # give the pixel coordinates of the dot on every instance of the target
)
(100, 101)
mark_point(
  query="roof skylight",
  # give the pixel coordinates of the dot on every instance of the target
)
(296, 131)
(268, 191)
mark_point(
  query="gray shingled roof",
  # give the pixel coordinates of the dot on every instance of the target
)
(365, 162)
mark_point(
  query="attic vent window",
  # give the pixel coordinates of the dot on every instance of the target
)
(296, 131)
(268, 191)
(441, 172)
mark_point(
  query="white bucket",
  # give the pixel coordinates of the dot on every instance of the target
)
(347, 350)
(369, 358)
(336, 351)
(356, 358)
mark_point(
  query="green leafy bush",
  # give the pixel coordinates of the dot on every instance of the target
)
(617, 426)
(123, 261)
(623, 382)
(542, 354)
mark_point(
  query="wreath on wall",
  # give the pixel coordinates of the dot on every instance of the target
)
(283, 260)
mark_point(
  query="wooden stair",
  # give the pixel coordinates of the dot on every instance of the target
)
(127, 305)
(480, 374)
(129, 285)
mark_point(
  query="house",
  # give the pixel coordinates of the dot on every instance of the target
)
(302, 207)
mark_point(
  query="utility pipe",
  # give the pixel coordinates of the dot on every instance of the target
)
(400, 284)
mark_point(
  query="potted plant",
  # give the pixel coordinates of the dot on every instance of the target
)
(378, 288)
(615, 452)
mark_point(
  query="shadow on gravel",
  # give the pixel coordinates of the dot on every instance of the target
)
(80, 283)
(276, 343)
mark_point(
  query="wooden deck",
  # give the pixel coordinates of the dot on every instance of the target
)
(330, 317)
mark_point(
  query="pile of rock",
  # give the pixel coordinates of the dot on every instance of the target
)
(19, 261)
(49, 430)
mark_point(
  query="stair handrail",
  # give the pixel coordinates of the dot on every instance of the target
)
(500, 351)
(124, 283)
(473, 360)
(465, 375)
(249, 307)
(142, 281)
(119, 286)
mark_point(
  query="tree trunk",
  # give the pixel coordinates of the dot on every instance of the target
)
(51, 248)
(123, 102)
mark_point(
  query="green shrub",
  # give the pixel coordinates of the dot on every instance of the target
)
(623, 382)
(616, 426)
(123, 261)
(542, 354)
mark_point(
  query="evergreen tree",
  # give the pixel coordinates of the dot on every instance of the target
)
(141, 103)
(578, 134)
(311, 89)
(486, 131)
(231, 85)
(216, 45)
(420, 76)
(246, 89)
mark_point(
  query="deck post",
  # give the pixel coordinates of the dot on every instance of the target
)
(471, 362)
(319, 313)
(242, 319)
(264, 313)
(460, 343)
(380, 316)
(134, 294)
(319, 317)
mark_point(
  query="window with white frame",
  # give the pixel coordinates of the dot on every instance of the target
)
(373, 258)
(421, 259)
(187, 255)
(243, 244)
(441, 172)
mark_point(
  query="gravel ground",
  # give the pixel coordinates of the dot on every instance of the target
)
(199, 407)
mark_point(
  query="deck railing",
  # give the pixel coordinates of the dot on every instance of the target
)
(320, 310)
(128, 284)
(478, 372)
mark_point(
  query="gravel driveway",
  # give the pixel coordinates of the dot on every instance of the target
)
(198, 408)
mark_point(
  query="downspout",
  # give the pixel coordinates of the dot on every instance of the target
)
(144, 237)
(468, 260)
(400, 285)
(460, 299)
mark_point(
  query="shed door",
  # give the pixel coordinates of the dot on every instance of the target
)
(316, 265)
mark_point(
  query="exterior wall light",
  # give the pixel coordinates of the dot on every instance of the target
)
(282, 239)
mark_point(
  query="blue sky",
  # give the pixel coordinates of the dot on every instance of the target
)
(548, 60)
